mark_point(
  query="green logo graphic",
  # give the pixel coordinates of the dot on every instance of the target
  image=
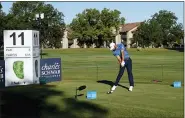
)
(18, 67)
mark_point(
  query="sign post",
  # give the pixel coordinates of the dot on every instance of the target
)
(22, 57)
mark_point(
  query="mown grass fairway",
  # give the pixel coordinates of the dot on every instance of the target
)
(97, 68)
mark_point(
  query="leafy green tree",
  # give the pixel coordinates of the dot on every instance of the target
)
(140, 34)
(84, 26)
(161, 29)
(155, 33)
(149, 33)
(122, 20)
(167, 20)
(93, 26)
(2, 24)
(110, 20)
(176, 33)
(22, 17)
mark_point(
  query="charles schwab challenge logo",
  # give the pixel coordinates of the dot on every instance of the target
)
(52, 70)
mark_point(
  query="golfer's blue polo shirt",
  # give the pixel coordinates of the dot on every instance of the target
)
(118, 51)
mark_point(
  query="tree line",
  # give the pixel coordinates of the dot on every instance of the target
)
(91, 26)
(94, 26)
(161, 30)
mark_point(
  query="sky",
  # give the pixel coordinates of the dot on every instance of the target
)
(132, 11)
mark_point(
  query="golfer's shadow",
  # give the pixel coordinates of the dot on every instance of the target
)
(110, 83)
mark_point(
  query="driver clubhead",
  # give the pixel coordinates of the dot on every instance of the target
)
(109, 92)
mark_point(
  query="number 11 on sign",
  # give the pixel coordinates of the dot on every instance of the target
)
(14, 38)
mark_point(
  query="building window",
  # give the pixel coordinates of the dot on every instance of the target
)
(123, 36)
(124, 33)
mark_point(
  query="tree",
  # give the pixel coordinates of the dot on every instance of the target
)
(85, 26)
(2, 24)
(176, 33)
(140, 34)
(149, 33)
(93, 26)
(122, 20)
(22, 16)
(167, 20)
(161, 29)
(110, 21)
(155, 33)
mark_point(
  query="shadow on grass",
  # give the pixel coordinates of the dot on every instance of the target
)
(44, 54)
(177, 49)
(110, 83)
(79, 95)
(78, 107)
(30, 102)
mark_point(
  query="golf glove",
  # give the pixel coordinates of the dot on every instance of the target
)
(122, 63)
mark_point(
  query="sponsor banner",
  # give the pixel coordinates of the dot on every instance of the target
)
(50, 70)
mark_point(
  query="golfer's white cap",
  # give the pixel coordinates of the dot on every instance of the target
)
(112, 46)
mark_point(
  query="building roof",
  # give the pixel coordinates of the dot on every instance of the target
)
(129, 26)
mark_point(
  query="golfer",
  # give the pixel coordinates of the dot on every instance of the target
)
(120, 52)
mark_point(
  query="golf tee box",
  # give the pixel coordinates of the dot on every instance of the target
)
(177, 84)
(91, 95)
(22, 57)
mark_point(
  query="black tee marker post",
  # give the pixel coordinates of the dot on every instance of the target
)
(79, 89)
